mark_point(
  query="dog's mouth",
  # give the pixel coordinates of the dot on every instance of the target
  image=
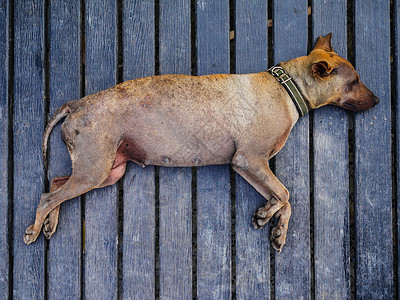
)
(349, 106)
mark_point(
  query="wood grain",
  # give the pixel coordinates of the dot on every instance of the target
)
(64, 257)
(373, 180)
(292, 163)
(397, 97)
(138, 183)
(213, 272)
(213, 183)
(101, 219)
(175, 183)
(331, 171)
(4, 140)
(252, 246)
(28, 123)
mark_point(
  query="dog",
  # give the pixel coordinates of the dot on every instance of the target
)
(180, 120)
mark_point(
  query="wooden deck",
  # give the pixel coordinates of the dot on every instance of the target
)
(185, 233)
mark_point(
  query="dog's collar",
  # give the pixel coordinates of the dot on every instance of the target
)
(283, 78)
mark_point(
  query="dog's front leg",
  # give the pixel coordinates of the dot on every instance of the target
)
(255, 170)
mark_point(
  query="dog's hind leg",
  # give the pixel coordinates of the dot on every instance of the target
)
(256, 171)
(89, 171)
(72, 188)
(51, 221)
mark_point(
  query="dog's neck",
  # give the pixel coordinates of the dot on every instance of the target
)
(297, 97)
(298, 69)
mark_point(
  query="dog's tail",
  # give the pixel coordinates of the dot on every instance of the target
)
(60, 113)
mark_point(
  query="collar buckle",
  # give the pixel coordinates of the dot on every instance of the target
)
(283, 78)
(279, 74)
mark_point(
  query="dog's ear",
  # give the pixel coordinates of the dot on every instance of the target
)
(324, 43)
(321, 69)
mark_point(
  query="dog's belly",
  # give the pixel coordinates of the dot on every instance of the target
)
(177, 132)
(190, 155)
(175, 148)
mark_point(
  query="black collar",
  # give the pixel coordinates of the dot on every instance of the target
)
(283, 78)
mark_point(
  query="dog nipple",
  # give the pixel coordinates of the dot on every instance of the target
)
(196, 161)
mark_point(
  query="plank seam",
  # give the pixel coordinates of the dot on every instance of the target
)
(351, 142)
(233, 233)
(311, 168)
(46, 79)
(120, 184)
(157, 37)
(46, 88)
(120, 266)
(271, 59)
(82, 93)
(157, 169)
(193, 32)
(120, 41)
(232, 44)
(232, 67)
(194, 233)
(10, 166)
(157, 232)
(193, 58)
(394, 91)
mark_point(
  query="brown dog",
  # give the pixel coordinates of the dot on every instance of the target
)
(178, 120)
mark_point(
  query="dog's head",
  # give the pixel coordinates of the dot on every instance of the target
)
(336, 80)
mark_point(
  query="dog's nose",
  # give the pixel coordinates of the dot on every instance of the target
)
(376, 101)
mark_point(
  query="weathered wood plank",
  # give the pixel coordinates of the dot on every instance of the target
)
(397, 62)
(373, 180)
(101, 226)
(251, 41)
(138, 183)
(4, 139)
(64, 257)
(175, 233)
(292, 163)
(28, 277)
(213, 183)
(331, 171)
(252, 246)
(175, 183)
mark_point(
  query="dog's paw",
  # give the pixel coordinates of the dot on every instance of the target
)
(260, 218)
(49, 227)
(30, 235)
(278, 237)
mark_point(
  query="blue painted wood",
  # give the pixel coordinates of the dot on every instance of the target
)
(252, 246)
(292, 163)
(251, 41)
(331, 171)
(101, 220)
(64, 256)
(373, 180)
(175, 183)
(4, 139)
(397, 62)
(373, 163)
(28, 277)
(175, 233)
(213, 183)
(138, 183)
